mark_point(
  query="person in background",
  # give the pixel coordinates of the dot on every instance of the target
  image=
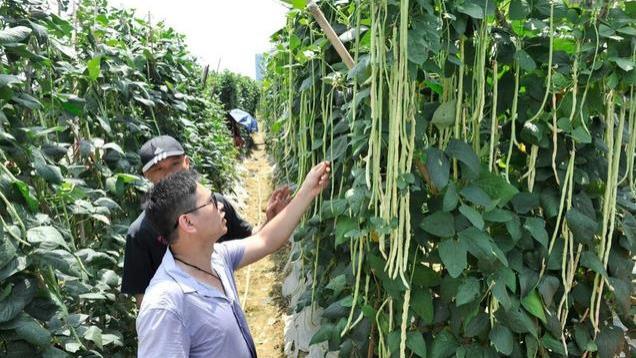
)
(191, 307)
(160, 157)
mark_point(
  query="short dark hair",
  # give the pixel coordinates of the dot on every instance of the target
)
(170, 198)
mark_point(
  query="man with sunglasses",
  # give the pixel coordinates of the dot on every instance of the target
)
(191, 307)
(160, 157)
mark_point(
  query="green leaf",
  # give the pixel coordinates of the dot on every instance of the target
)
(471, 9)
(14, 266)
(548, 287)
(333, 208)
(94, 67)
(438, 167)
(21, 294)
(583, 339)
(439, 224)
(550, 203)
(14, 34)
(424, 306)
(581, 135)
(536, 228)
(7, 250)
(50, 173)
(8, 80)
(324, 333)
(477, 196)
(498, 215)
(296, 4)
(444, 115)
(501, 294)
(463, 152)
(29, 329)
(417, 46)
(524, 202)
(94, 334)
(337, 284)
(453, 256)
(473, 216)
(514, 228)
(144, 101)
(629, 229)
(611, 341)
(47, 237)
(626, 64)
(591, 261)
(496, 187)
(605, 31)
(467, 291)
(481, 245)
(58, 259)
(343, 226)
(416, 343)
(525, 61)
(444, 345)
(519, 322)
(450, 198)
(532, 303)
(337, 148)
(518, 10)
(627, 30)
(393, 342)
(75, 106)
(532, 346)
(533, 133)
(476, 325)
(26, 100)
(554, 345)
(582, 226)
(501, 338)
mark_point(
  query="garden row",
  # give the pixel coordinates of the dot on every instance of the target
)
(81, 89)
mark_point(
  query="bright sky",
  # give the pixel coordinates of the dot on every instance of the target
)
(232, 31)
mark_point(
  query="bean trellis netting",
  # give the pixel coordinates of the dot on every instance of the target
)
(483, 198)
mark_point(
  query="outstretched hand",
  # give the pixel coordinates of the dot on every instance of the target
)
(278, 201)
(316, 180)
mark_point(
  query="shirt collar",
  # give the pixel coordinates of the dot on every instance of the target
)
(186, 282)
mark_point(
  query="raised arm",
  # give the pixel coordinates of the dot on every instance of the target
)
(276, 232)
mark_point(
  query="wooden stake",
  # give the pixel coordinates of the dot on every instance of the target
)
(331, 34)
(204, 80)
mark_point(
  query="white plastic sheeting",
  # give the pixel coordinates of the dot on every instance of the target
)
(301, 326)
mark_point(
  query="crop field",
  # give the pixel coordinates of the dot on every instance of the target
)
(482, 199)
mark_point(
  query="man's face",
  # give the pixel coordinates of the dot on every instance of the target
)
(166, 167)
(208, 220)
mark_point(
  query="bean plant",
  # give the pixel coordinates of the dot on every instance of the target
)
(81, 88)
(483, 192)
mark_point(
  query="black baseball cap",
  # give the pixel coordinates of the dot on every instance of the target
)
(158, 149)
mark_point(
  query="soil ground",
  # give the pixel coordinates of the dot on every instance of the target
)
(260, 284)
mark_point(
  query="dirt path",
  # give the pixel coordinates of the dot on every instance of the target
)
(263, 303)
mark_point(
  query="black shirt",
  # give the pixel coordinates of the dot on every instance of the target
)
(144, 251)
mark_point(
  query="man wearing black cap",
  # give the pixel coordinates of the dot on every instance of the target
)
(160, 157)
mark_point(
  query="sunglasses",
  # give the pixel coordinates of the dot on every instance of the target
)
(211, 201)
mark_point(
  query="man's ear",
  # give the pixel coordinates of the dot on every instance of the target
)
(185, 224)
(188, 162)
